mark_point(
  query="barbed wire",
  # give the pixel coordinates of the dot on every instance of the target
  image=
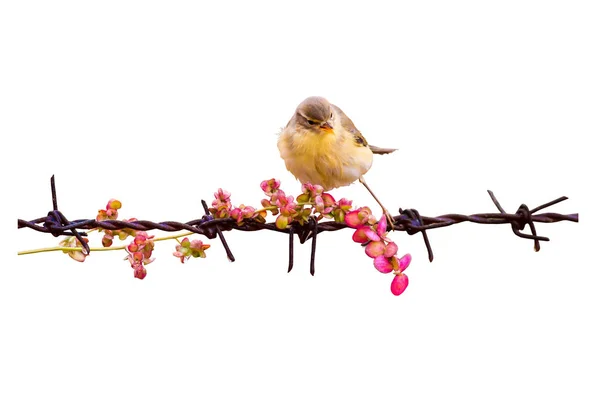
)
(409, 221)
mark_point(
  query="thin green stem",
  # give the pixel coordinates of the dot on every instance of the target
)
(92, 249)
(64, 248)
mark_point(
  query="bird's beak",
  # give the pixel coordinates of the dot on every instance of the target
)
(327, 127)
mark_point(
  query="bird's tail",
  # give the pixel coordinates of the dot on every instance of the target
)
(381, 150)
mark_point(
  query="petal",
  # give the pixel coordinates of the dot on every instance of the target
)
(382, 264)
(372, 235)
(264, 185)
(375, 249)
(77, 255)
(352, 219)
(404, 262)
(391, 249)
(139, 272)
(328, 199)
(281, 222)
(363, 235)
(382, 226)
(196, 244)
(114, 204)
(359, 236)
(399, 284)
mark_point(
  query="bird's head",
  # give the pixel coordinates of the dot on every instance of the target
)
(316, 115)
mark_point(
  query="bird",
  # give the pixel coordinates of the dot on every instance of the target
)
(320, 145)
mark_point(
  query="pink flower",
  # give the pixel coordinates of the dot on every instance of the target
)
(222, 196)
(399, 284)
(187, 249)
(360, 216)
(400, 281)
(110, 212)
(287, 205)
(139, 253)
(404, 262)
(383, 264)
(345, 204)
(381, 248)
(365, 234)
(312, 190)
(139, 272)
(242, 212)
(113, 204)
(72, 241)
(270, 187)
(324, 203)
(107, 239)
(221, 205)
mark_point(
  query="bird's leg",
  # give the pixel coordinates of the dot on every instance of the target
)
(388, 216)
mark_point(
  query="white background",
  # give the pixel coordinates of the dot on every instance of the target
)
(160, 103)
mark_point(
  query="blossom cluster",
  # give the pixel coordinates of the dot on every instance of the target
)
(187, 249)
(140, 253)
(139, 250)
(111, 213)
(312, 202)
(379, 246)
(222, 208)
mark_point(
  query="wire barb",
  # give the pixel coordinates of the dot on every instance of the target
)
(291, 249)
(525, 214)
(220, 234)
(313, 247)
(418, 221)
(56, 221)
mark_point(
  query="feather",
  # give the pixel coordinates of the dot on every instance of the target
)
(381, 150)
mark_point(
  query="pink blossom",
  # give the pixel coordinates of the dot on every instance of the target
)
(139, 253)
(399, 284)
(382, 226)
(139, 272)
(404, 262)
(383, 264)
(324, 203)
(287, 205)
(221, 205)
(365, 234)
(312, 190)
(222, 196)
(72, 241)
(242, 212)
(374, 249)
(270, 187)
(360, 216)
(187, 249)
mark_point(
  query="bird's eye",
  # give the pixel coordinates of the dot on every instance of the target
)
(331, 116)
(311, 122)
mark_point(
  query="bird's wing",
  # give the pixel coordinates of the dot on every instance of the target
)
(381, 150)
(349, 126)
(359, 139)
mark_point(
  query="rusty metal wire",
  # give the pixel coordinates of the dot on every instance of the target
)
(408, 220)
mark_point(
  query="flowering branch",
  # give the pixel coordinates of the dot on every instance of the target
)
(294, 216)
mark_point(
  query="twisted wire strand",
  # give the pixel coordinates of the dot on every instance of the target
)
(408, 220)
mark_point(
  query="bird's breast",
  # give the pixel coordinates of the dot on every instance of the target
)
(330, 160)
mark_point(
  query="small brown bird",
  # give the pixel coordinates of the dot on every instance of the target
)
(321, 145)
